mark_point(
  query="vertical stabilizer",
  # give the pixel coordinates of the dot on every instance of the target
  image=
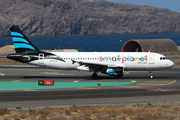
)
(20, 41)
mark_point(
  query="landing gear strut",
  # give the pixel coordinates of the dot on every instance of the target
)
(151, 74)
(94, 75)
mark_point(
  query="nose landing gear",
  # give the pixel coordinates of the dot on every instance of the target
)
(151, 74)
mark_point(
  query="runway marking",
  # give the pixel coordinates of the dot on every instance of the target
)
(16, 81)
(133, 81)
(157, 82)
(163, 90)
(126, 72)
(31, 90)
(1, 74)
(171, 82)
(75, 81)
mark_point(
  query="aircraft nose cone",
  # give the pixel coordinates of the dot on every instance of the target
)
(171, 64)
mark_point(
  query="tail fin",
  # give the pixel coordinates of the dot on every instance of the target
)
(20, 41)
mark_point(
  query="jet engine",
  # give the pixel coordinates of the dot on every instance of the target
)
(115, 71)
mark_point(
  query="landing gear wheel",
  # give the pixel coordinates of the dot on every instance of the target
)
(151, 74)
(94, 76)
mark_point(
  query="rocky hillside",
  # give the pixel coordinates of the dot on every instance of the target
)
(85, 17)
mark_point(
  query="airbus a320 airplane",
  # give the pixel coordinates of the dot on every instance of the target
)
(110, 63)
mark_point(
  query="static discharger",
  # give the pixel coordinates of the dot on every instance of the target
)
(46, 82)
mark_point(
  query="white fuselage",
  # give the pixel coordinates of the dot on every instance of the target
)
(128, 60)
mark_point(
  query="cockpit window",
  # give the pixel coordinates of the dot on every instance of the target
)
(163, 58)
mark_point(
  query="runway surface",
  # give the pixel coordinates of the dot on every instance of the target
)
(163, 88)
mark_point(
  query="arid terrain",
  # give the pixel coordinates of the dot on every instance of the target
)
(144, 111)
(85, 17)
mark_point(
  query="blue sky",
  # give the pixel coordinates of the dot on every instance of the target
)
(169, 4)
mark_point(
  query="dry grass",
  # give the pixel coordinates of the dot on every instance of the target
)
(176, 63)
(146, 111)
(171, 54)
(9, 62)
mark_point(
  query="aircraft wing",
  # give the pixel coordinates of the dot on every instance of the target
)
(94, 65)
(90, 64)
(111, 69)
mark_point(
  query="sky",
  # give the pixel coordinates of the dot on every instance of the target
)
(173, 5)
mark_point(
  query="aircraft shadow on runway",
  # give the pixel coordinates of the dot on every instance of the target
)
(99, 77)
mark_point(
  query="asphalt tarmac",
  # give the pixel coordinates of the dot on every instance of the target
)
(163, 88)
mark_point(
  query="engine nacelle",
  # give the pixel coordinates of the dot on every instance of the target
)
(115, 71)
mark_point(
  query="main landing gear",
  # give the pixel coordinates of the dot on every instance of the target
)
(151, 74)
(94, 75)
